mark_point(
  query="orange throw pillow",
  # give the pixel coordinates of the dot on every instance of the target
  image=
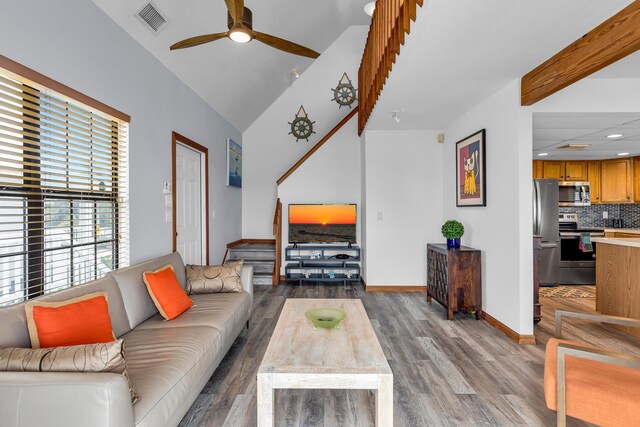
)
(166, 292)
(82, 320)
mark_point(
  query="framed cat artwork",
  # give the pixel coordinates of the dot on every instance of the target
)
(471, 179)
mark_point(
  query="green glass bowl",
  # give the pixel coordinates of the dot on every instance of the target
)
(325, 317)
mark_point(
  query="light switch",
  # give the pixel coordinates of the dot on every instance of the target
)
(166, 188)
(605, 215)
(379, 216)
(168, 200)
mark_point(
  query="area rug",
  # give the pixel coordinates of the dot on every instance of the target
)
(566, 292)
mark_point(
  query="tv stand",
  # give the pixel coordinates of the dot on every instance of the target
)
(318, 263)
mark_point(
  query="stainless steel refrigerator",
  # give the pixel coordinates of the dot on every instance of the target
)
(546, 224)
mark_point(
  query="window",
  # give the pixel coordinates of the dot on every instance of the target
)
(63, 190)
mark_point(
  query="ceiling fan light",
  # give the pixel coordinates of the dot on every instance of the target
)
(239, 36)
(369, 8)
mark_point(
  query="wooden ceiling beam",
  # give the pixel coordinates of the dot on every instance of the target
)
(609, 42)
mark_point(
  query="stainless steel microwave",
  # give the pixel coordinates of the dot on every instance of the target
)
(574, 193)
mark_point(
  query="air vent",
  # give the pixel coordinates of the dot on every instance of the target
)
(152, 18)
(574, 146)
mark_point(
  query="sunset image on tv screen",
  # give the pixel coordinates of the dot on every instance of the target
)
(322, 223)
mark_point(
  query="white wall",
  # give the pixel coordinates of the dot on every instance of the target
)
(268, 150)
(502, 229)
(76, 44)
(403, 205)
(331, 175)
(363, 209)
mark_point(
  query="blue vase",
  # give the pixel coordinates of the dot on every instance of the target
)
(453, 243)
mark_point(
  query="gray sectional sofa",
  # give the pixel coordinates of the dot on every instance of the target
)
(169, 362)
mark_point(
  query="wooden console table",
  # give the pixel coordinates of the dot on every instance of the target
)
(454, 278)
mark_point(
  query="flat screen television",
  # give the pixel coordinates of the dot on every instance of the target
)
(322, 223)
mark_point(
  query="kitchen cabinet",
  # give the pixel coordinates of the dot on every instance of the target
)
(553, 169)
(570, 170)
(575, 170)
(593, 176)
(616, 181)
(537, 169)
(617, 280)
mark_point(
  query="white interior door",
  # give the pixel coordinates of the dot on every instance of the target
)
(189, 205)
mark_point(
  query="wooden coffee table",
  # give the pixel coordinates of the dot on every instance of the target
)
(300, 357)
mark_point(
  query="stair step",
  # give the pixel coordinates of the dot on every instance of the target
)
(259, 265)
(251, 254)
(261, 256)
(262, 279)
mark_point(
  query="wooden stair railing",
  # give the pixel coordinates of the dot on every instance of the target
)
(390, 21)
(277, 231)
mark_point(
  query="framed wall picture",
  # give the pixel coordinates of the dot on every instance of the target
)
(471, 180)
(234, 164)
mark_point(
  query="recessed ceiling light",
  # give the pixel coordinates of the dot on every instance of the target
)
(542, 154)
(369, 8)
(614, 135)
(623, 154)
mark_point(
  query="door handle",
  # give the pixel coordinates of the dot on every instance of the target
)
(537, 211)
(548, 245)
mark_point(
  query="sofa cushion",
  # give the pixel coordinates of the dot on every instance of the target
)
(158, 359)
(13, 319)
(225, 312)
(211, 279)
(166, 293)
(102, 357)
(76, 321)
(138, 303)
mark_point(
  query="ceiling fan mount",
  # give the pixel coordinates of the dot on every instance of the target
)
(240, 24)
(247, 19)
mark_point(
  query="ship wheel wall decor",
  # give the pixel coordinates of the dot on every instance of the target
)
(344, 93)
(301, 126)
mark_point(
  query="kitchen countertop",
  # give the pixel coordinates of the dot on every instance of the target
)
(623, 230)
(620, 241)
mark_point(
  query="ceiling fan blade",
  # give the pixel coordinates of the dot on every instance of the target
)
(236, 10)
(285, 45)
(198, 40)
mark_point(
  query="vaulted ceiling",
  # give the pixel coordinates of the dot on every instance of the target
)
(460, 52)
(239, 81)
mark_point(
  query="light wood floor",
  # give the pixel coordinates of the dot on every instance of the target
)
(460, 372)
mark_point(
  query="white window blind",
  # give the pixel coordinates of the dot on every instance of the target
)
(63, 191)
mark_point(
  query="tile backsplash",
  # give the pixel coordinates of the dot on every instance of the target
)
(591, 216)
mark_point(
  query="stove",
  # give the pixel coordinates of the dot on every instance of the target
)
(577, 266)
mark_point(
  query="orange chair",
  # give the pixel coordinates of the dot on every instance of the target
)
(594, 385)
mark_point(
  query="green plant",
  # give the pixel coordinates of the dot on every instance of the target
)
(452, 229)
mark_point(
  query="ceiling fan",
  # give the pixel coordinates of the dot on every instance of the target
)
(240, 24)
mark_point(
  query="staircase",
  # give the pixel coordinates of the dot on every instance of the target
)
(261, 256)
